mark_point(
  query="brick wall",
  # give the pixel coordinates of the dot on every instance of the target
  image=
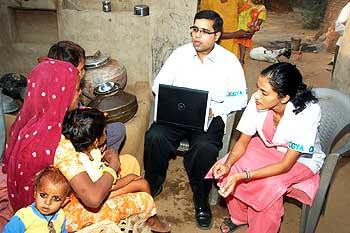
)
(332, 11)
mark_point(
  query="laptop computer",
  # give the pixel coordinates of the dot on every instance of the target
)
(182, 107)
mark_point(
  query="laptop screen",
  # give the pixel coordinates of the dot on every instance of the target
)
(182, 107)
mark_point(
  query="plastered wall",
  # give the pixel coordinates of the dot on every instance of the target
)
(29, 27)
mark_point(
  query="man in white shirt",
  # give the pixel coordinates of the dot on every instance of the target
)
(340, 27)
(203, 65)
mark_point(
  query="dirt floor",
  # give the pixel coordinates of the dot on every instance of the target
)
(175, 202)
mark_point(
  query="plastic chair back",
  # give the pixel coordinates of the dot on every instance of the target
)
(335, 120)
(335, 123)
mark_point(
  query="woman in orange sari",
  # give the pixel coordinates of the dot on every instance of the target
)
(96, 198)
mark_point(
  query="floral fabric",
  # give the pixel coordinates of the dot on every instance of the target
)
(115, 209)
(245, 18)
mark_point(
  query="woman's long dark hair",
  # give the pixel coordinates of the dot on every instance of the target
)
(83, 126)
(286, 79)
(67, 51)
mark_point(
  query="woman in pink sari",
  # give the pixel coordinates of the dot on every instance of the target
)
(278, 152)
(53, 88)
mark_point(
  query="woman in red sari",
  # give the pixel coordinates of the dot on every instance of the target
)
(53, 88)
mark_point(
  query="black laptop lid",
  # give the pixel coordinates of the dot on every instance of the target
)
(182, 107)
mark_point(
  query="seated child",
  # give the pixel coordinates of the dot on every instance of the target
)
(86, 130)
(251, 15)
(44, 215)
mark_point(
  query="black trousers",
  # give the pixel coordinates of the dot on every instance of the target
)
(161, 141)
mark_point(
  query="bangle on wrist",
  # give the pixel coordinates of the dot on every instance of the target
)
(111, 172)
(247, 174)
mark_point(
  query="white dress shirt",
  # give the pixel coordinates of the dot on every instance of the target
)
(298, 132)
(341, 21)
(220, 74)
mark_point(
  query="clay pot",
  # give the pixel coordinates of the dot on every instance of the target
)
(107, 70)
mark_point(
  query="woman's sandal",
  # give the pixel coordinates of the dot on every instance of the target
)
(228, 225)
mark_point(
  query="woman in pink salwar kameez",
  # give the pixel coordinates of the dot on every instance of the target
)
(278, 152)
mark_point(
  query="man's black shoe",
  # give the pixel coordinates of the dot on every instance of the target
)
(203, 214)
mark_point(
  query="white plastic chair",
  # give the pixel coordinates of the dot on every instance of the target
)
(335, 123)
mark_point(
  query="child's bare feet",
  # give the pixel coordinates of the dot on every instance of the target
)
(157, 225)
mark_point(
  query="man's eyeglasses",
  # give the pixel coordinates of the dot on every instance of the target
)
(202, 31)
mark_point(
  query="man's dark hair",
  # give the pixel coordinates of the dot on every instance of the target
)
(67, 51)
(211, 15)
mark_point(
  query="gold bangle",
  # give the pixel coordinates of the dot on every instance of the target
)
(111, 172)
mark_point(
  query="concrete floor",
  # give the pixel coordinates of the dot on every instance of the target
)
(175, 202)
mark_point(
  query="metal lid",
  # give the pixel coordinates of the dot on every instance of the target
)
(106, 88)
(96, 60)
